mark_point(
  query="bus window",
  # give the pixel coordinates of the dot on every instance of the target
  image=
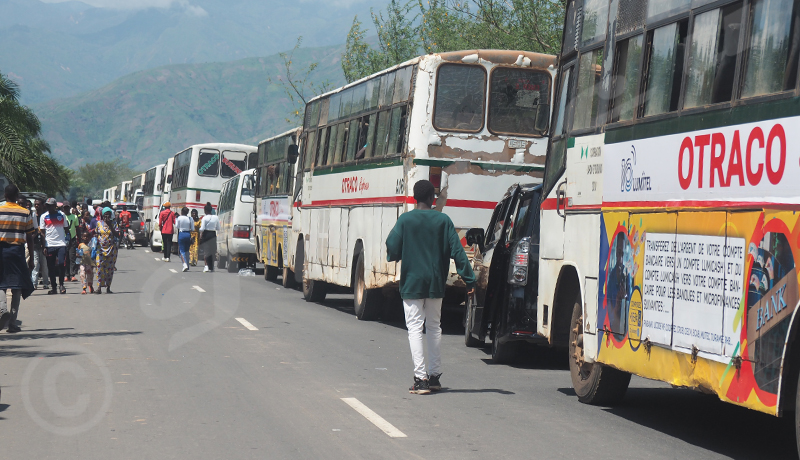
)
(626, 76)
(352, 137)
(665, 66)
(382, 134)
(341, 140)
(359, 94)
(595, 17)
(333, 107)
(566, 81)
(373, 93)
(330, 149)
(180, 169)
(771, 64)
(323, 111)
(387, 89)
(309, 148)
(587, 103)
(208, 163)
(233, 163)
(397, 131)
(347, 103)
(402, 84)
(663, 8)
(517, 99)
(715, 41)
(460, 97)
(321, 144)
(369, 140)
(252, 160)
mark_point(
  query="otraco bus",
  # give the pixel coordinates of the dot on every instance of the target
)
(277, 160)
(472, 122)
(669, 232)
(152, 199)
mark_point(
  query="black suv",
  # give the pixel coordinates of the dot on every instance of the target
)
(506, 265)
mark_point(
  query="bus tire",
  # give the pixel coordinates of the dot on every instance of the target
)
(314, 290)
(231, 265)
(469, 339)
(270, 273)
(594, 383)
(288, 278)
(367, 302)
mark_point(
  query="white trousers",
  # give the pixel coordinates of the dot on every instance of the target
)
(427, 312)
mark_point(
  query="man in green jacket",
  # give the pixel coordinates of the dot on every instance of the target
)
(425, 240)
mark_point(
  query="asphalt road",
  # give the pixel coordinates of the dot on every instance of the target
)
(163, 369)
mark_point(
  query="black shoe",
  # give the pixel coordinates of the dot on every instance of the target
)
(4, 320)
(52, 291)
(63, 290)
(433, 382)
(14, 329)
(420, 387)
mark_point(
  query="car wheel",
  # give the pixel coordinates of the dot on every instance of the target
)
(469, 339)
(502, 353)
(594, 383)
(367, 302)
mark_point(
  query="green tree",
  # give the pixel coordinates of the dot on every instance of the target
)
(398, 41)
(298, 84)
(24, 155)
(530, 25)
(92, 178)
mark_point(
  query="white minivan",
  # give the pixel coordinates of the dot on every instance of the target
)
(235, 242)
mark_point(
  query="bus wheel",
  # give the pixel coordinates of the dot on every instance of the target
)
(288, 278)
(231, 264)
(469, 339)
(270, 273)
(594, 383)
(367, 302)
(314, 290)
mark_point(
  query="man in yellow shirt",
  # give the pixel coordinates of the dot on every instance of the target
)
(16, 229)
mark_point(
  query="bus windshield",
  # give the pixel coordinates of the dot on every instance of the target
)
(519, 102)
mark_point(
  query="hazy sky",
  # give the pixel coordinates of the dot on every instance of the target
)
(190, 6)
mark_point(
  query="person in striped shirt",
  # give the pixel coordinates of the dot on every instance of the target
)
(16, 229)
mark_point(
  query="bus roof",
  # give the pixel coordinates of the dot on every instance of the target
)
(219, 145)
(498, 57)
(298, 129)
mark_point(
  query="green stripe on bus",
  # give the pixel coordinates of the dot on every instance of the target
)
(482, 165)
(570, 142)
(748, 113)
(381, 164)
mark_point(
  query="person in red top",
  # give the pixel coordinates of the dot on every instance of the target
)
(124, 225)
(166, 222)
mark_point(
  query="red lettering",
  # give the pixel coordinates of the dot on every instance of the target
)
(735, 161)
(686, 181)
(776, 132)
(702, 142)
(717, 140)
(754, 177)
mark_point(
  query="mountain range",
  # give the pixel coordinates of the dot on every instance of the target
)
(149, 115)
(58, 50)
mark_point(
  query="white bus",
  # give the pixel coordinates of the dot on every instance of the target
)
(274, 205)
(471, 122)
(110, 194)
(199, 171)
(137, 191)
(235, 240)
(122, 192)
(151, 192)
(166, 179)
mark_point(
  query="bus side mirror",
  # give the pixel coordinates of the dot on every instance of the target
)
(292, 154)
(169, 179)
(476, 236)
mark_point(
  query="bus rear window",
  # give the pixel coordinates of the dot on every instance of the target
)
(460, 95)
(208, 163)
(233, 163)
(519, 102)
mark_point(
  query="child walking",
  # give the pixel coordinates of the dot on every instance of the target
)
(84, 253)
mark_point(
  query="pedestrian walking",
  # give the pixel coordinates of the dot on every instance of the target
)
(72, 228)
(425, 240)
(209, 226)
(87, 263)
(107, 233)
(16, 230)
(39, 261)
(166, 222)
(184, 227)
(193, 252)
(53, 226)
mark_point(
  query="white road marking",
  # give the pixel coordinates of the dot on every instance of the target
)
(173, 270)
(157, 258)
(199, 289)
(146, 251)
(247, 324)
(376, 419)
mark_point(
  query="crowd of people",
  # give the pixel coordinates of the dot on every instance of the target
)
(47, 243)
(194, 234)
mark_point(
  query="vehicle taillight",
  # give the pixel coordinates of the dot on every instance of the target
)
(520, 256)
(241, 231)
(141, 224)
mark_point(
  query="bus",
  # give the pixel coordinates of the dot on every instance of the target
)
(199, 171)
(151, 192)
(669, 227)
(276, 169)
(472, 122)
(123, 192)
(137, 191)
(165, 185)
(110, 194)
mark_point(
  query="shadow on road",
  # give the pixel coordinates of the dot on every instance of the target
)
(482, 390)
(29, 335)
(530, 356)
(704, 421)
(4, 407)
(25, 351)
